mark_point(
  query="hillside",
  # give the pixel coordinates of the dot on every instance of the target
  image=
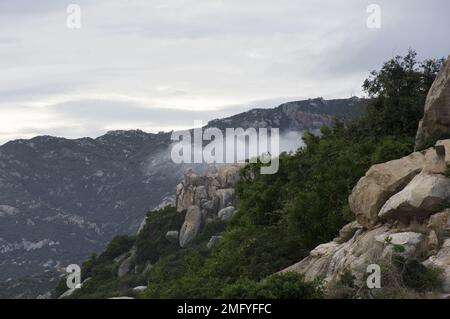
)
(62, 200)
(330, 191)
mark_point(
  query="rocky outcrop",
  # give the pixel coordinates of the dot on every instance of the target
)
(442, 260)
(126, 265)
(422, 197)
(213, 241)
(381, 182)
(191, 225)
(437, 107)
(226, 213)
(206, 198)
(400, 210)
(172, 236)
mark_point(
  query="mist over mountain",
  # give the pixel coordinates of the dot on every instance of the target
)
(61, 199)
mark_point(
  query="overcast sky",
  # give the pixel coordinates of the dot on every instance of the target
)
(161, 64)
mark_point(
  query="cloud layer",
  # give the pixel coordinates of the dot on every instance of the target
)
(160, 64)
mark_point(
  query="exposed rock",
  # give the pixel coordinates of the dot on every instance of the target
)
(139, 288)
(229, 175)
(191, 225)
(406, 238)
(210, 206)
(68, 293)
(409, 241)
(443, 150)
(440, 223)
(208, 190)
(200, 195)
(125, 266)
(347, 232)
(167, 201)
(124, 297)
(433, 243)
(434, 162)
(172, 236)
(226, 197)
(437, 107)
(331, 260)
(210, 193)
(120, 257)
(381, 182)
(423, 196)
(213, 241)
(226, 213)
(442, 260)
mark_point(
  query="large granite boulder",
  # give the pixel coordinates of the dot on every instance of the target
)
(332, 260)
(442, 260)
(423, 196)
(226, 197)
(191, 225)
(440, 223)
(172, 236)
(379, 184)
(226, 213)
(436, 116)
(126, 265)
(213, 241)
(229, 175)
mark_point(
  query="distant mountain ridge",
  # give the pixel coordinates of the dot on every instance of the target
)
(62, 199)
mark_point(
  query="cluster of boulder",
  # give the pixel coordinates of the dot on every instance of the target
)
(404, 202)
(205, 198)
(398, 203)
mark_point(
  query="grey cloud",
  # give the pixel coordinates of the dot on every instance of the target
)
(223, 54)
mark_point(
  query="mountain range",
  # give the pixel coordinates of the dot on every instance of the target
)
(64, 199)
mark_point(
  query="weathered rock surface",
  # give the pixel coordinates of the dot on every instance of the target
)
(443, 149)
(125, 265)
(381, 182)
(212, 195)
(440, 223)
(191, 225)
(213, 241)
(423, 196)
(442, 260)
(172, 236)
(226, 213)
(437, 107)
(332, 259)
(408, 195)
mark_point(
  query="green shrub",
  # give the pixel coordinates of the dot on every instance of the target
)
(278, 286)
(416, 276)
(151, 243)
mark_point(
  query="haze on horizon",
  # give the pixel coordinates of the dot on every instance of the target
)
(161, 64)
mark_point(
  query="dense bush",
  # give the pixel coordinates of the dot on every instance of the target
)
(278, 286)
(416, 276)
(151, 243)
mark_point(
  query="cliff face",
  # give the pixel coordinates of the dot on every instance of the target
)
(206, 198)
